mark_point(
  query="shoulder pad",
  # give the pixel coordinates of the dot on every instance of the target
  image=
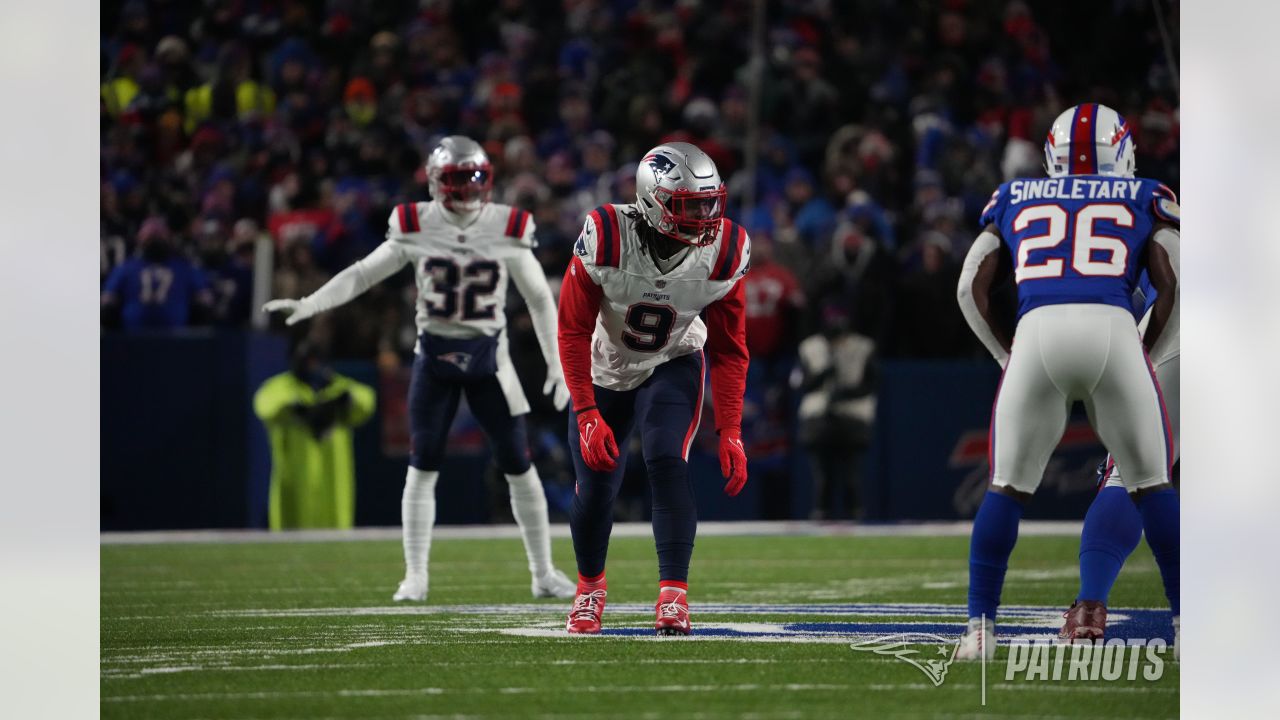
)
(988, 215)
(600, 243)
(519, 226)
(1167, 210)
(735, 253)
(404, 219)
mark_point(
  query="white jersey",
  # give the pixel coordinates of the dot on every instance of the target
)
(461, 272)
(648, 317)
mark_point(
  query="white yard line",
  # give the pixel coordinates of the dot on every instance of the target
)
(632, 529)
(280, 695)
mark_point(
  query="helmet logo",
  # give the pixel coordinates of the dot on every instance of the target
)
(659, 164)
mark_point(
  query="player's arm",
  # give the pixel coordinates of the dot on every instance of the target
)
(531, 282)
(1162, 267)
(361, 275)
(580, 299)
(727, 354)
(983, 266)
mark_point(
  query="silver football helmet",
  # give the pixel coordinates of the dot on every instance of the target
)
(459, 174)
(680, 194)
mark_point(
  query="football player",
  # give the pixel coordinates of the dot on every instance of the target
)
(1113, 525)
(463, 249)
(635, 348)
(1076, 243)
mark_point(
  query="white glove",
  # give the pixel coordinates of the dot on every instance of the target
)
(556, 389)
(298, 310)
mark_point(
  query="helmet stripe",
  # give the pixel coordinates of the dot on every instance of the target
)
(1084, 154)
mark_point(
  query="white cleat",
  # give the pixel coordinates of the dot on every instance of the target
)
(979, 640)
(412, 589)
(554, 585)
(1177, 630)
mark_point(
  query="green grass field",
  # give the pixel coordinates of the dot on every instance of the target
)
(307, 630)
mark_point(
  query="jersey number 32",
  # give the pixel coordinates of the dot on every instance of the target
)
(470, 287)
(1087, 243)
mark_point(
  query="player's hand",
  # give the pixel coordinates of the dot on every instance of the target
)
(555, 388)
(599, 449)
(296, 310)
(733, 461)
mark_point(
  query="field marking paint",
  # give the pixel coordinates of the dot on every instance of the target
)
(834, 609)
(762, 528)
(358, 692)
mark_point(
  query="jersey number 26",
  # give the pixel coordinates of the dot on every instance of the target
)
(1085, 241)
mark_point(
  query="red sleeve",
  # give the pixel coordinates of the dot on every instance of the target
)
(579, 306)
(727, 351)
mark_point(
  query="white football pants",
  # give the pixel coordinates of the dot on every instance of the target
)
(1086, 352)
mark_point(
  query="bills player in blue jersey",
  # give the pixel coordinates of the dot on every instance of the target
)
(1076, 243)
(1113, 525)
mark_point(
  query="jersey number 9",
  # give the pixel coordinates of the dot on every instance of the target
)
(650, 325)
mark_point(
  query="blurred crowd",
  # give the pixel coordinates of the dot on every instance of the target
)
(884, 128)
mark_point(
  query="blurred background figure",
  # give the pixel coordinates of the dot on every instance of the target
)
(157, 288)
(837, 376)
(309, 412)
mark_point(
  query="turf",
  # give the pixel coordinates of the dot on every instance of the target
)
(275, 630)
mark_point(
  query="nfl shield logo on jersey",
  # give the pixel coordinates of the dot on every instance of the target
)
(661, 284)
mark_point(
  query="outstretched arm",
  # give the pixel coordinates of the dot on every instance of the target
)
(978, 275)
(532, 284)
(375, 267)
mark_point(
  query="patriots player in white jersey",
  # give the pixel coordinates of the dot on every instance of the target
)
(1076, 243)
(463, 249)
(632, 337)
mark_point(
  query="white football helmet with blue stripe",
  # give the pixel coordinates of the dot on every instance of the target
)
(1089, 139)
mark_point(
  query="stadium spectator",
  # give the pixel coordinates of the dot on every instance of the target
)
(309, 412)
(837, 411)
(158, 288)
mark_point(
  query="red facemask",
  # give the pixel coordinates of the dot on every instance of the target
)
(458, 184)
(692, 217)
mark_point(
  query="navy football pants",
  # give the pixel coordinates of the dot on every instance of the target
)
(434, 401)
(667, 408)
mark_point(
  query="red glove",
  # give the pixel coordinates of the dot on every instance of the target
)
(733, 461)
(595, 440)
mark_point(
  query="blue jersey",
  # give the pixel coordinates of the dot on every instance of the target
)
(1079, 238)
(155, 294)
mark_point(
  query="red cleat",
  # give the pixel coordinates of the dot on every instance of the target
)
(584, 618)
(672, 613)
(1086, 620)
